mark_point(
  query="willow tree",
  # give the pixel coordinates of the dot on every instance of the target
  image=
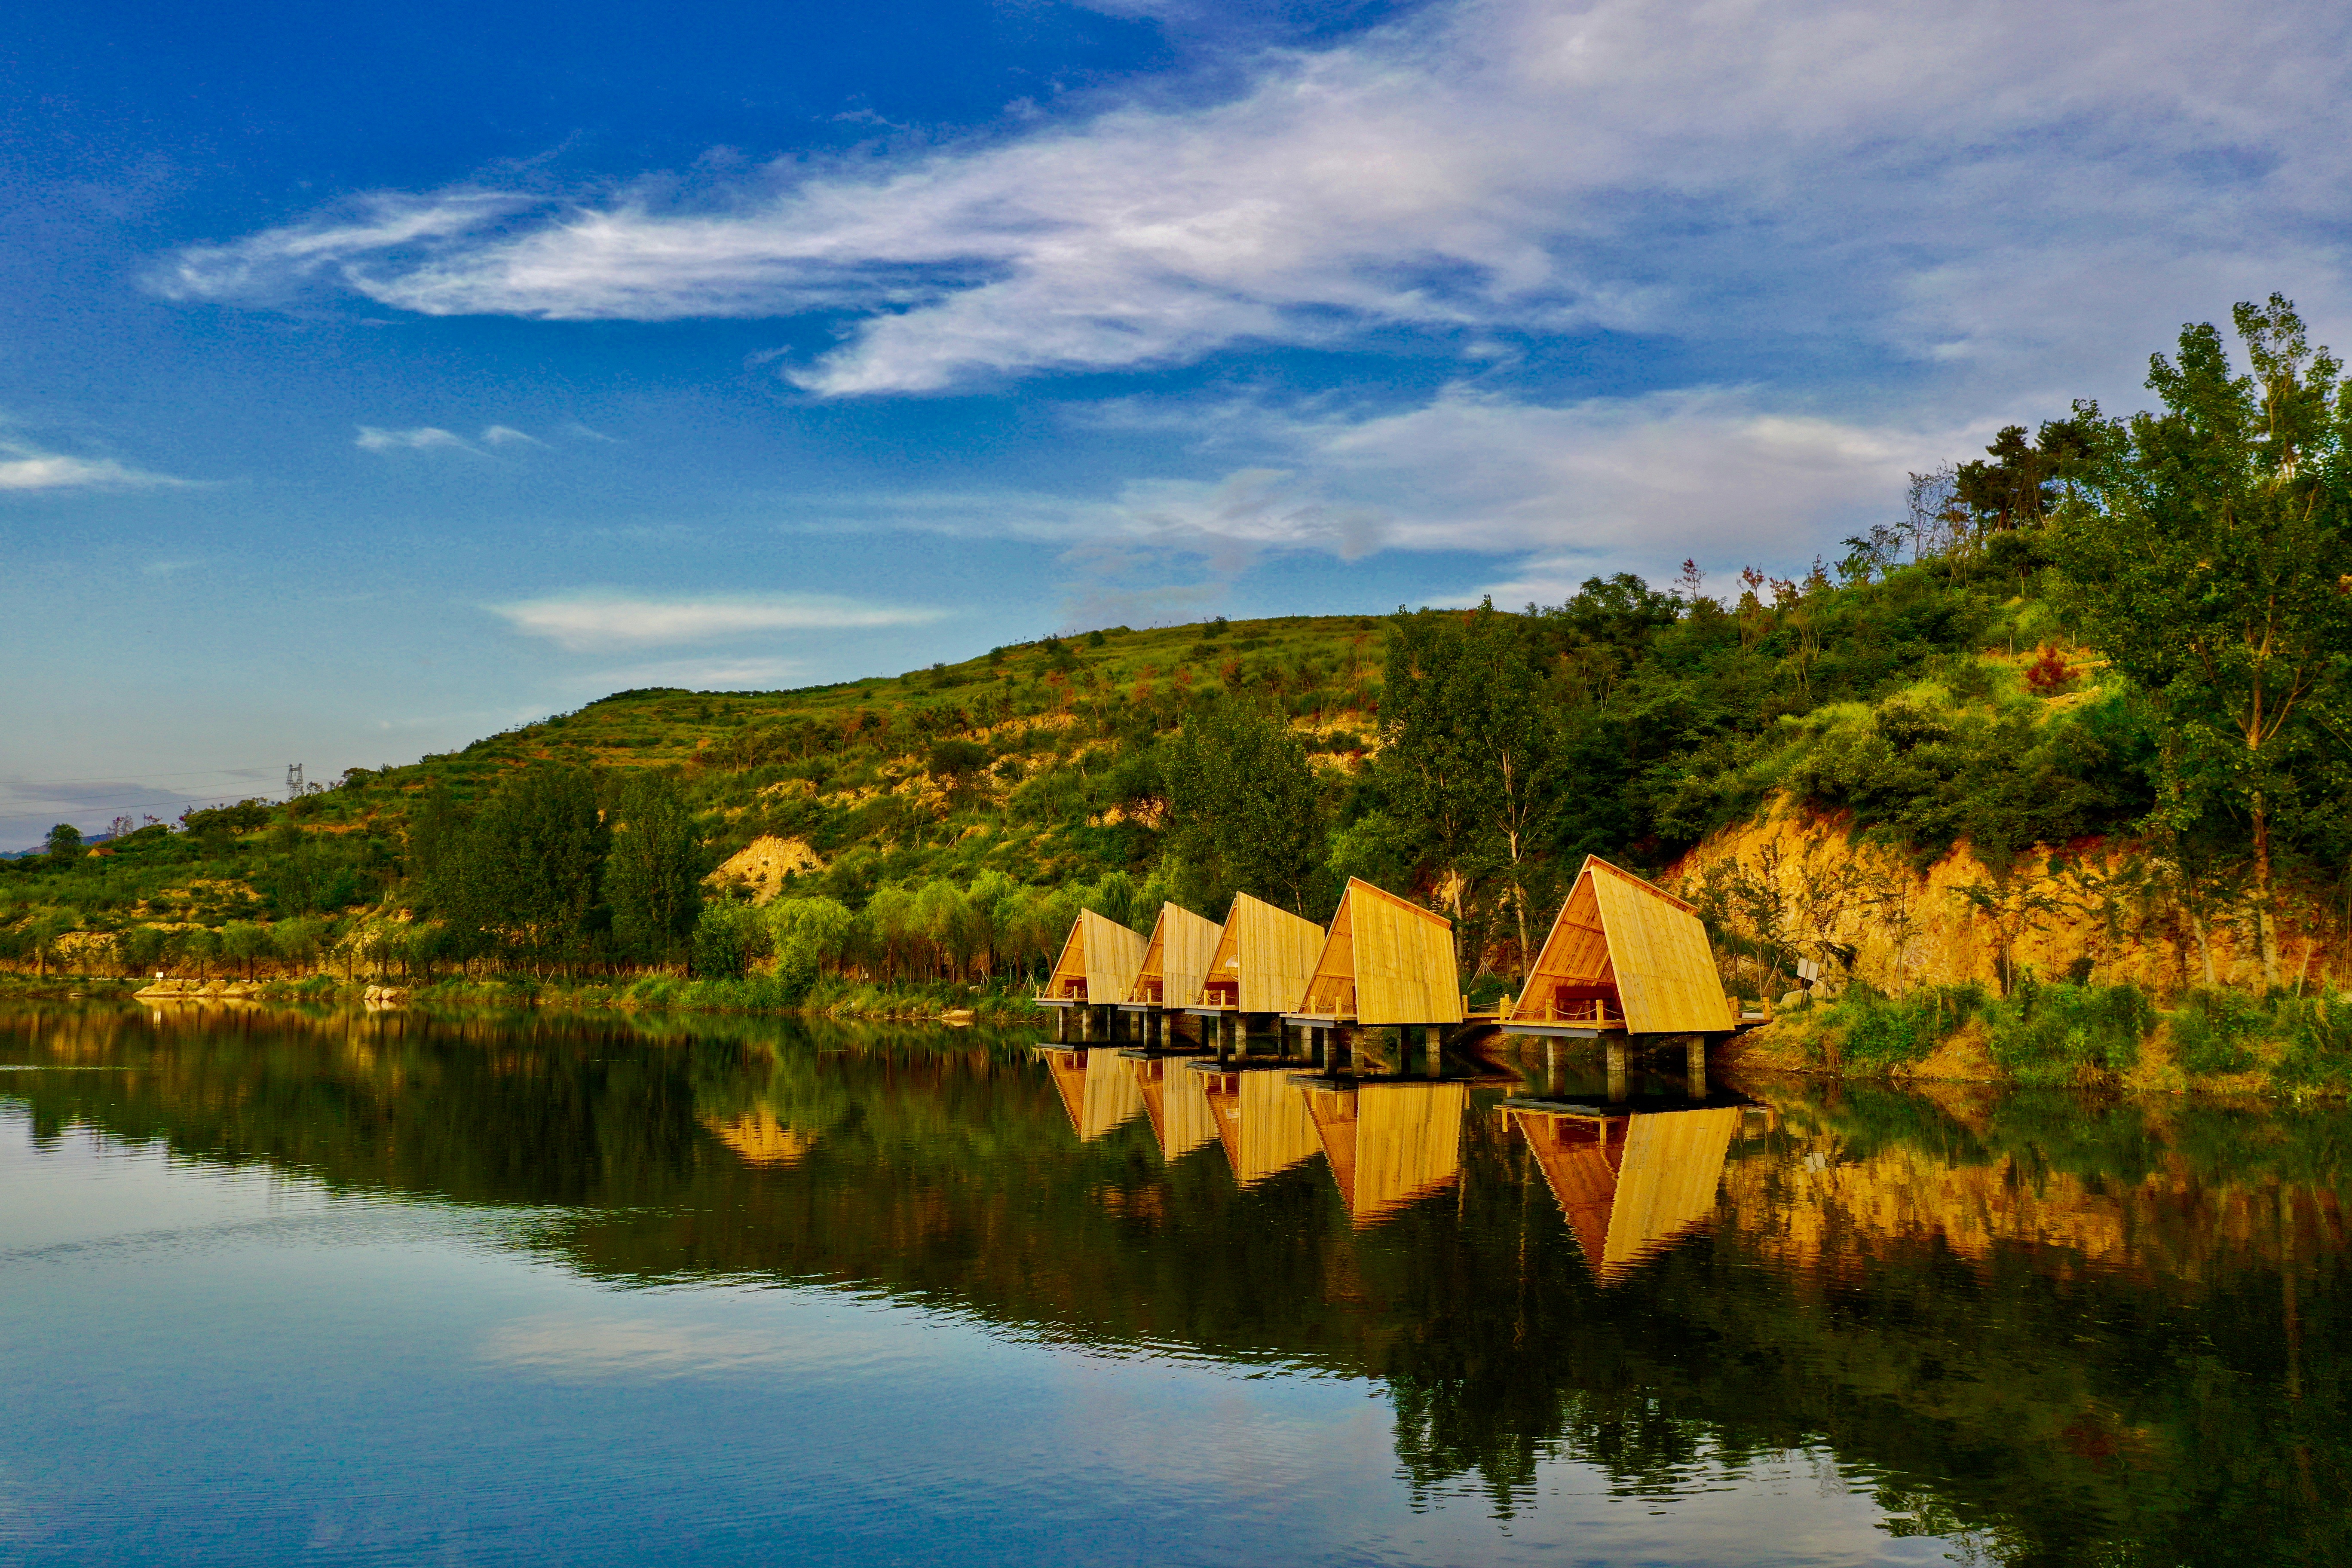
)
(2209, 562)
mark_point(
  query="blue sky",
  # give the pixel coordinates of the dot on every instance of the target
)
(373, 380)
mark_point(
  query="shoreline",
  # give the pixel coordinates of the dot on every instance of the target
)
(1792, 1046)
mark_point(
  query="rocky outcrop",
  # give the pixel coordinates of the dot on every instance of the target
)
(762, 865)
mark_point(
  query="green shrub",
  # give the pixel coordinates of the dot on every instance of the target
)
(2319, 1034)
(2052, 1034)
(1883, 1032)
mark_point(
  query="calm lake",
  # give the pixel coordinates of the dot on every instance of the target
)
(382, 1288)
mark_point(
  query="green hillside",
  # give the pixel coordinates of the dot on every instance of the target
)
(2113, 629)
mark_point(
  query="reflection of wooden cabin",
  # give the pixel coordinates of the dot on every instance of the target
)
(1388, 1144)
(1261, 959)
(1623, 956)
(760, 1140)
(1262, 1121)
(1631, 1184)
(1178, 1104)
(1098, 963)
(1097, 1089)
(1387, 960)
(1175, 961)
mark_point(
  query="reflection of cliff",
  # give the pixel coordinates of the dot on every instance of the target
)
(1262, 1121)
(760, 1139)
(1388, 1144)
(1822, 1206)
(1631, 1186)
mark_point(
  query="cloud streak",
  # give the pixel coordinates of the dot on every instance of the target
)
(593, 621)
(424, 438)
(1911, 174)
(26, 469)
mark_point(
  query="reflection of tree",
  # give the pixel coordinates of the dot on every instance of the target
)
(2042, 1399)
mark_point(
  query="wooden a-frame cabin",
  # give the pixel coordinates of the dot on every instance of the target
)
(1387, 960)
(1098, 965)
(1624, 957)
(1261, 962)
(1175, 961)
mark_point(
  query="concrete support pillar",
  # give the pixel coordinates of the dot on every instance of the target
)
(1695, 1072)
(1621, 1063)
(1432, 1045)
(1555, 1080)
(1061, 1025)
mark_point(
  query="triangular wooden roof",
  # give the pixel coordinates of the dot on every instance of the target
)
(1177, 956)
(1389, 1143)
(1387, 960)
(1103, 953)
(1270, 950)
(1263, 1121)
(1617, 930)
(1178, 1104)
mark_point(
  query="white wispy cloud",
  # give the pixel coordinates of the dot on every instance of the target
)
(424, 438)
(1920, 177)
(580, 622)
(508, 435)
(27, 468)
(696, 675)
(1597, 484)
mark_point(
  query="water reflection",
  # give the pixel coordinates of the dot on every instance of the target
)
(1098, 1088)
(1631, 1183)
(1260, 1119)
(2041, 1327)
(1389, 1144)
(1177, 1102)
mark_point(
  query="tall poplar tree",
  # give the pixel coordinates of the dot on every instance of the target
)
(2211, 562)
(653, 877)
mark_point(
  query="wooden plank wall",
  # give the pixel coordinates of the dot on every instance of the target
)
(1186, 944)
(1658, 949)
(1270, 950)
(1399, 955)
(1113, 953)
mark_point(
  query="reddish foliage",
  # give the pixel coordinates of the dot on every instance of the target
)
(2051, 673)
